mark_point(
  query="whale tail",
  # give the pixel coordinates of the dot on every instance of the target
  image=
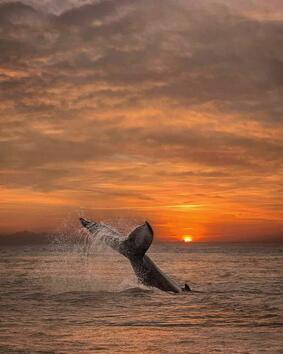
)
(139, 240)
(134, 245)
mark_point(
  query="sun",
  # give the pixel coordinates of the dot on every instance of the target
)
(187, 238)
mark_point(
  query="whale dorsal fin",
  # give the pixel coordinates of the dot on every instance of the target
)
(140, 239)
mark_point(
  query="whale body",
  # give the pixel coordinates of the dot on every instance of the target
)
(134, 247)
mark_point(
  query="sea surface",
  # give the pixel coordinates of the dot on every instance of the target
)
(67, 298)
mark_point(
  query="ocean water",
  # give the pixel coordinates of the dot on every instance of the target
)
(78, 299)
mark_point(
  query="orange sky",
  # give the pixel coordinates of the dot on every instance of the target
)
(166, 111)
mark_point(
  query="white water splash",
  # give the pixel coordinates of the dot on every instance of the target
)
(82, 262)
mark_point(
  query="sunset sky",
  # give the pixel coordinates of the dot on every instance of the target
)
(169, 111)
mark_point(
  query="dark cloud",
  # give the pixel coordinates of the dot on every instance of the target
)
(159, 51)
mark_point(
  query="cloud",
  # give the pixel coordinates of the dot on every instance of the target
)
(179, 90)
(157, 52)
(52, 6)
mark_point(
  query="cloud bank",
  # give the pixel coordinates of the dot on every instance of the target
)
(141, 104)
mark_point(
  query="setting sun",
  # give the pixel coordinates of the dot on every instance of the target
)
(187, 238)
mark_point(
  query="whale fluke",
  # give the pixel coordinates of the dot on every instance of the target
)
(134, 247)
(139, 240)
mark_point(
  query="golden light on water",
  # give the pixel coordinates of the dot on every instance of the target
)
(187, 238)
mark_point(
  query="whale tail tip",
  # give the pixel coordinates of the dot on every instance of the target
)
(84, 222)
(186, 288)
